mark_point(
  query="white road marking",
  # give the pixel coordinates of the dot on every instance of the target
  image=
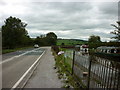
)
(18, 82)
(7, 60)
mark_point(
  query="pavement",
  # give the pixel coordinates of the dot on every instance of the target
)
(45, 75)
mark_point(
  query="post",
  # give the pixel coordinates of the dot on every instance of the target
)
(88, 84)
(73, 62)
(0, 60)
(118, 83)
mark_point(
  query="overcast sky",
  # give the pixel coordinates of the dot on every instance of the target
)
(76, 20)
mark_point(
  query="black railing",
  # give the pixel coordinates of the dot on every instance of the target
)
(94, 70)
(100, 72)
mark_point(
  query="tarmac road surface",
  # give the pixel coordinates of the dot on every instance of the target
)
(15, 64)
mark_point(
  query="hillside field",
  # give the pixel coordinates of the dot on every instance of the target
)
(70, 41)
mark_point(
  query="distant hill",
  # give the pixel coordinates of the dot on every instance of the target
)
(71, 41)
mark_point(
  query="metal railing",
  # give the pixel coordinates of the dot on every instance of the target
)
(95, 71)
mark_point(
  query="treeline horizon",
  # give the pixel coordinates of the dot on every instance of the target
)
(15, 35)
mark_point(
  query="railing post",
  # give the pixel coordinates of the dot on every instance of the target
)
(118, 83)
(89, 70)
(73, 62)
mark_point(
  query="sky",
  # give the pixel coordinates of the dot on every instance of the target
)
(76, 19)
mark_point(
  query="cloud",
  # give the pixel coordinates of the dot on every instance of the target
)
(67, 19)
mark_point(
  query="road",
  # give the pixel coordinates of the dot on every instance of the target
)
(16, 64)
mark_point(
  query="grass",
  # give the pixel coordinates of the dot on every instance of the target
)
(68, 58)
(13, 50)
(64, 71)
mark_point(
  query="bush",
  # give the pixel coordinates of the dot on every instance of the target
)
(55, 48)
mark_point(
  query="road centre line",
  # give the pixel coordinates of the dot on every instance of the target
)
(19, 81)
(7, 60)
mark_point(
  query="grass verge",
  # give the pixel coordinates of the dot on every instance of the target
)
(13, 50)
(64, 72)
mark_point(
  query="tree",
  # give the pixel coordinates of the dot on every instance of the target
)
(14, 33)
(51, 38)
(116, 32)
(45, 40)
(40, 41)
(94, 39)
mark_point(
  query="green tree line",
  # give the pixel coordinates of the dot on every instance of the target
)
(95, 41)
(14, 35)
(46, 40)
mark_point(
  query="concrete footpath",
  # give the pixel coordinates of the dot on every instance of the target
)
(45, 75)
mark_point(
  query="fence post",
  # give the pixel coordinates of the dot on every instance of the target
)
(88, 84)
(118, 85)
(73, 62)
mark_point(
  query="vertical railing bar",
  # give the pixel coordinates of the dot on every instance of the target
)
(105, 74)
(108, 72)
(73, 62)
(97, 74)
(95, 85)
(93, 71)
(101, 65)
(102, 61)
(92, 74)
(103, 69)
(86, 63)
(88, 84)
(102, 75)
(83, 62)
(111, 78)
(99, 69)
(118, 83)
(94, 68)
(101, 72)
(108, 76)
(115, 77)
(105, 79)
